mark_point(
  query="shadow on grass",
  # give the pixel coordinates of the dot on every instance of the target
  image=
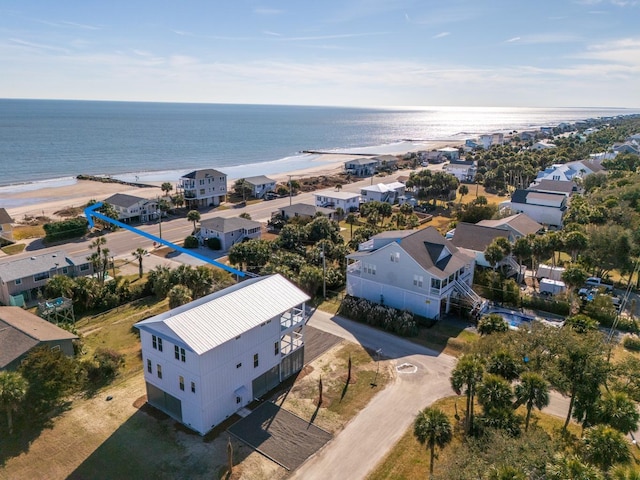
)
(26, 429)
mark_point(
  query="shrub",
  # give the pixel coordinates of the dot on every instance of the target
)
(214, 243)
(631, 343)
(105, 366)
(391, 319)
(72, 228)
(552, 306)
(191, 242)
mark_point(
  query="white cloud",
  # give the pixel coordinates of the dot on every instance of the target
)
(514, 39)
(442, 34)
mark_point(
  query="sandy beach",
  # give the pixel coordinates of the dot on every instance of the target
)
(47, 201)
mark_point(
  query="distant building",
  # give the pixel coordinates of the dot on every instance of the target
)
(229, 230)
(22, 331)
(348, 201)
(543, 146)
(544, 208)
(206, 360)
(361, 167)
(382, 192)
(463, 170)
(22, 280)
(450, 153)
(260, 185)
(133, 209)
(518, 225)
(203, 188)
(303, 210)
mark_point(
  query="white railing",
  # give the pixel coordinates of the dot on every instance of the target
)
(293, 317)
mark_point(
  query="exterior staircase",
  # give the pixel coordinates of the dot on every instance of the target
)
(477, 302)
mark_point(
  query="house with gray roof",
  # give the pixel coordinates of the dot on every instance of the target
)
(22, 331)
(415, 270)
(229, 230)
(474, 240)
(22, 280)
(133, 209)
(518, 225)
(382, 192)
(554, 186)
(206, 360)
(361, 167)
(203, 188)
(260, 185)
(545, 208)
(463, 170)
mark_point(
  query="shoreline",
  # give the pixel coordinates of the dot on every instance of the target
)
(74, 192)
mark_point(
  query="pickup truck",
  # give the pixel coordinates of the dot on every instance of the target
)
(597, 282)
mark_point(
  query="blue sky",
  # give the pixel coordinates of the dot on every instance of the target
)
(580, 53)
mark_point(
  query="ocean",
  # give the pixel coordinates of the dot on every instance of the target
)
(47, 143)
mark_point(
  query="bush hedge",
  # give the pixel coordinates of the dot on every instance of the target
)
(391, 319)
(191, 242)
(631, 343)
(552, 306)
(72, 228)
(214, 243)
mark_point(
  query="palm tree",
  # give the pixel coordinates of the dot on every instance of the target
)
(139, 254)
(618, 410)
(13, 389)
(466, 375)
(532, 391)
(179, 295)
(166, 187)
(463, 190)
(433, 429)
(605, 446)
(193, 216)
(351, 219)
(570, 467)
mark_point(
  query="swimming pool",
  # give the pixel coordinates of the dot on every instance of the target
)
(514, 319)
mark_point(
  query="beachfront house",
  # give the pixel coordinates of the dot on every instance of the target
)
(544, 208)
(229, 230)
(132, 209)
(450, 153)
(463, 170)
(203, 188)
(260, 185)
(23, 280)
(382, 192)
(303, 210)
(348, 201)
(415, 270)
(22, 331)
(6, 226)
(206, 360)
(361, 167)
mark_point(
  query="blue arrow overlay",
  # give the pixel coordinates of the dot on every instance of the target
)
(91, 212)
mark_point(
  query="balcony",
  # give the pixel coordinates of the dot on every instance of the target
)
(190, 194)
(292, 318)
(354, 268)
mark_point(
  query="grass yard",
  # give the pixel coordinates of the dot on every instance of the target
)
(446, 337)
(409, 460)
(23, 232)
(13, 249)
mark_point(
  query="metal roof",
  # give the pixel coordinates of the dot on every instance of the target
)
(217, 318)
(24, 267)
(259, 180)
(226, 225)
(123, 200)
(337, 195)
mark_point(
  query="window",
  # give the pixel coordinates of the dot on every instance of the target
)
(183, 355)
(176, 352)
(417, 280)
(18, 281)
(159, 370)
(395, 257)
(181, 381)
(84, 266)
(193, 387)
(256, 362)
(65, 270)
(38, 277)
(159, 344)
(149, 367)
(154, 342)
(276, 348)
(238, 365)
(238, 399)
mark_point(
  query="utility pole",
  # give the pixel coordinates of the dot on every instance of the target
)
(324, 274)
(290, 190)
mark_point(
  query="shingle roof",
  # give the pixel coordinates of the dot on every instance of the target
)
(204, 173)
(519, 196)
(225, 225)
(217, 318)
(15, 269)
(259, 180)
(362, 161)
(305, 209)
(553, 186)
(5, 217)
(433, 252)
(521, 223)
(20, 331)
(476, 237)
(123, 200)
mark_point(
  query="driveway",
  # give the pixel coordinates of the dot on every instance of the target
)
(390, 412)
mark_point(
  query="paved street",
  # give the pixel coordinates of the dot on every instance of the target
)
(377, 428)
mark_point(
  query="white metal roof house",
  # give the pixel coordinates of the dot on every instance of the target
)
(229, 230)
(205, 360)
(304, 210)
(260, 185)
(348, 201)
(21, 280)
(133, 209)
(203, 188)
(544, 208)
(415, 270)
(382, 192)
(450, 153)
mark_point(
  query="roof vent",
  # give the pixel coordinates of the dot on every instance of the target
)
(33, 258)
